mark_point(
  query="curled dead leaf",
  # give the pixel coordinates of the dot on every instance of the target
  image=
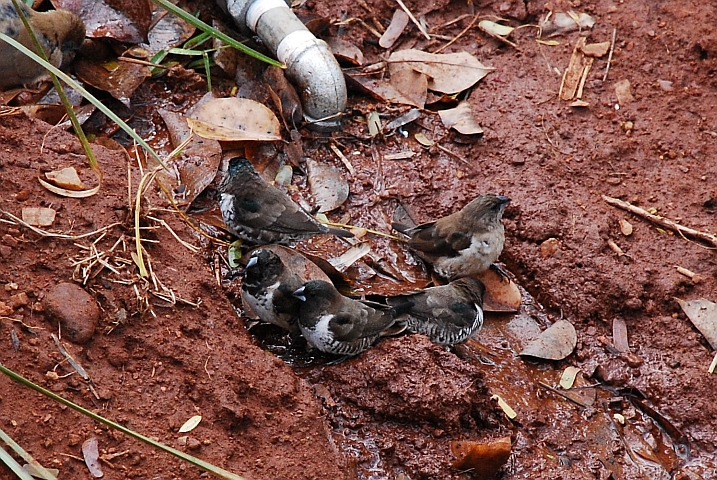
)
(555, 343)
(234, 119)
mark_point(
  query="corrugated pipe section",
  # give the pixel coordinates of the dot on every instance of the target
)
(310, 64)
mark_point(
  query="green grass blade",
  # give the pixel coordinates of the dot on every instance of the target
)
(194, 21)
(25, 456)
(14, 466)
(177, 453)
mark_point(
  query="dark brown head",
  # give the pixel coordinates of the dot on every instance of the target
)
(472, 288)
(485, 210)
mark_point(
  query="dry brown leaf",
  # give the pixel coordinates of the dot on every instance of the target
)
(567, 379)
(500, 295)
(555, 343)
(91, 454)
(395, 29)
(461, 119)
(126, 20)
(483, 460)
(448, 73)
(38, 216)
(703, 315)
(66, 178)
(328, 186)
(234, 119)
(198, 163)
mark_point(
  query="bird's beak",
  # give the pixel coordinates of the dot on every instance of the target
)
(503, 200)
(299, 293)
(252, 261)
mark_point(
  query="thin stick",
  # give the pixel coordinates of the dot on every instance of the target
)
(63, 236)
(662, 221)
(470, 25)
(413, 19)
(609, 57)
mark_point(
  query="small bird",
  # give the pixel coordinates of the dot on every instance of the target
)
(60, 33)
(268, 288)
(446, 314)
(337, 324)
(464, 243)
(259, 213)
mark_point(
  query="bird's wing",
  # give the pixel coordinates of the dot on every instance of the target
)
(436, 240)
(356, 320)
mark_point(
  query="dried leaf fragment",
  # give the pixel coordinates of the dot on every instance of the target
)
(555, 343)
(461, 119)
(496, 29)
(38, 216)
(190, 424)
(66, 178)
(567, 379)
(596, 49)
(703, 315)
(483, 460)
(234, 119)
(448, 73)
(91, 454)
(625, 227)
(507, 409)
(395, 29)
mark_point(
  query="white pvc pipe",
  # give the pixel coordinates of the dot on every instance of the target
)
(309, 61)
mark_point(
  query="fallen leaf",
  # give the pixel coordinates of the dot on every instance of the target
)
(567, 379)
(619, 335)
(496, 29)
(395, 29)
(507, 409)
(408, 117)
(169, 32)
(118, 78)
(501, 295)
(350, 256)
(91, 454)
(190, 424)
(483, 460)
(461, 119)
(448, 73)
(234, 119)
(412, 84)
(555, 343)
(373, 123)
(563, 22)
(38, 216)
(66, 178)
(127, 20)
(623, 92)
(596, 49)
(345, 50)
(197, 164)
(703, 315)
(384, 92)
(328, 186)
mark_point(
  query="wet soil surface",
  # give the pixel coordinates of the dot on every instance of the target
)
(155, 360)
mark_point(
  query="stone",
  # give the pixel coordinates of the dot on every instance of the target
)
(74, 309)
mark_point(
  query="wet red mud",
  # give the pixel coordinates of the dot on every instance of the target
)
(395, 409)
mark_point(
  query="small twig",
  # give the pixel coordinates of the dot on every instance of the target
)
(558, 392)
(62, 236)
(615, 248)
(463, 32)
(413, 19)
(663, 222)
(609, 57)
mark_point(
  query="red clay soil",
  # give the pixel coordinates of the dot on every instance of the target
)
(395, 409)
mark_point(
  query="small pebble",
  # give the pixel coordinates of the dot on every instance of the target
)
(74, 309)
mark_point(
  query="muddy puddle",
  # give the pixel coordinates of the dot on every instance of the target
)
(608, 429)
